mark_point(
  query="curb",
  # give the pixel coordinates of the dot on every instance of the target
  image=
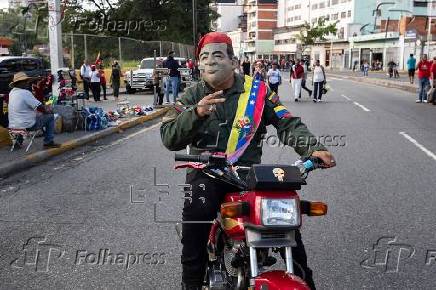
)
(377, 82)
(33, 159)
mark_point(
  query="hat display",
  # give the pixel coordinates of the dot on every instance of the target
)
(212, 37)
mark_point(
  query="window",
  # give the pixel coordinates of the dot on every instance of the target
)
(29, 64)
(314, 6)
(335, 16)
(11, 65)
(349, 13)
(298, 6)
(321, 5)
(419, 3)
(343, 14)
(334, 2)
(297, 18)
(327, 17)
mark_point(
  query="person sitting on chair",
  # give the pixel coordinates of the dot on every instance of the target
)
(26, 112)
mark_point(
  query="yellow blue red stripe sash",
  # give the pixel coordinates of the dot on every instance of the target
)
(247, 119)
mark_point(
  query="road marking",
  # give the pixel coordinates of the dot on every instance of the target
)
(347, 98)
(362, 107)
(421, 147)
(134, 134)
(336, 79)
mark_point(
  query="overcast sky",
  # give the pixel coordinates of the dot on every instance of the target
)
(4, 4)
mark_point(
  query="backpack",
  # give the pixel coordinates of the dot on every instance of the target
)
(95, 118)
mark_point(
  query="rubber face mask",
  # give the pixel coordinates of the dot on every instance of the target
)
(215, 65)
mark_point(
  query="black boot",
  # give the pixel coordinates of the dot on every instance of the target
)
(191, 287)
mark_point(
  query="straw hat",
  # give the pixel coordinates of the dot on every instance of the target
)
(21, 77)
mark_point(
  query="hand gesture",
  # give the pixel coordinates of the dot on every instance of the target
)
(207, 105)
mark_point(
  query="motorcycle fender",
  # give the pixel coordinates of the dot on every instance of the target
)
(279, 280)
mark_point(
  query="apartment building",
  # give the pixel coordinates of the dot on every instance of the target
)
(229, 13)
(261, 21)
(350, 16)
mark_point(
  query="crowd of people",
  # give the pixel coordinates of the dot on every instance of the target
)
(271, 72)
(94, 79)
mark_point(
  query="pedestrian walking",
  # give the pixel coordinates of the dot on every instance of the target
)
(304, 80)
(85, 74)
(259, 71)
(424, 74)
(365, 68)
(246, 66)
(274, 78)
(433, 71)
(296, 79)
(115, 79)
(411, 65)
(319, 80)
(173, 81)
(355, 65)
(95, 83)
(102, 81)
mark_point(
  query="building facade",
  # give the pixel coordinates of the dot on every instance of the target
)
(375, 31)
(261, 21)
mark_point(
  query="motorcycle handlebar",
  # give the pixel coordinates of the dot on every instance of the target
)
(192, 158)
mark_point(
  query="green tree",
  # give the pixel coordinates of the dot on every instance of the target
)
(317, 32)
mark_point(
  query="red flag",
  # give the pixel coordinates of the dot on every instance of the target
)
(98, 59)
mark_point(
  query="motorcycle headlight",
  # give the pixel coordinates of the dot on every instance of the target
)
(280, 212)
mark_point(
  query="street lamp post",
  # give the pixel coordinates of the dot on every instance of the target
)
(377, 9)
(430, 18)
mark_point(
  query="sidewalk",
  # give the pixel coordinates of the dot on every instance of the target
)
(377, 78)
(68, 138)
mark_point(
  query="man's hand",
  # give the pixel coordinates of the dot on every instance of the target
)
(326, 157)
(206, 105)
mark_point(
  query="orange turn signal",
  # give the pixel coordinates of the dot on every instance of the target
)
(317, 208)
(235, 209)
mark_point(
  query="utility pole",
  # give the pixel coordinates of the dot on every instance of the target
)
(430, 18)
(194, 23)
(55, 39)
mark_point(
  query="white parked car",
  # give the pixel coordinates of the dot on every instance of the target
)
(142, 78)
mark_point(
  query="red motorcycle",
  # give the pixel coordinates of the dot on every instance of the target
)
(260, 217)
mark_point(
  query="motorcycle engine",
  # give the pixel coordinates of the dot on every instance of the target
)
(229, 254)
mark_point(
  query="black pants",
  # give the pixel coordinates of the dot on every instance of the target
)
(204, 207)
(317, 90)
(86, 86)
(95, 88)
(116, 87)
(274, 87)
(103, 87)
(303, 86)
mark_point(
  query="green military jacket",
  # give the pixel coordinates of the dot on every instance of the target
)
(182, 126)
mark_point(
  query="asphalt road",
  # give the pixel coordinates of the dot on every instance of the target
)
(60, 220)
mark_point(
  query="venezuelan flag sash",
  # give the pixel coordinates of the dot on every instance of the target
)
(247, 118)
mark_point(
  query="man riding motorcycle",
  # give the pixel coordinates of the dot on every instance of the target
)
(219, 114)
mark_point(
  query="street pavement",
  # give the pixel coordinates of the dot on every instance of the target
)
(109, 200)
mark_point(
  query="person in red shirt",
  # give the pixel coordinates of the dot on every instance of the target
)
(297, 74)
(424, 72)
(433, 71)
(103, 81)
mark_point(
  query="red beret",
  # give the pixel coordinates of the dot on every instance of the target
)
(212, 37)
